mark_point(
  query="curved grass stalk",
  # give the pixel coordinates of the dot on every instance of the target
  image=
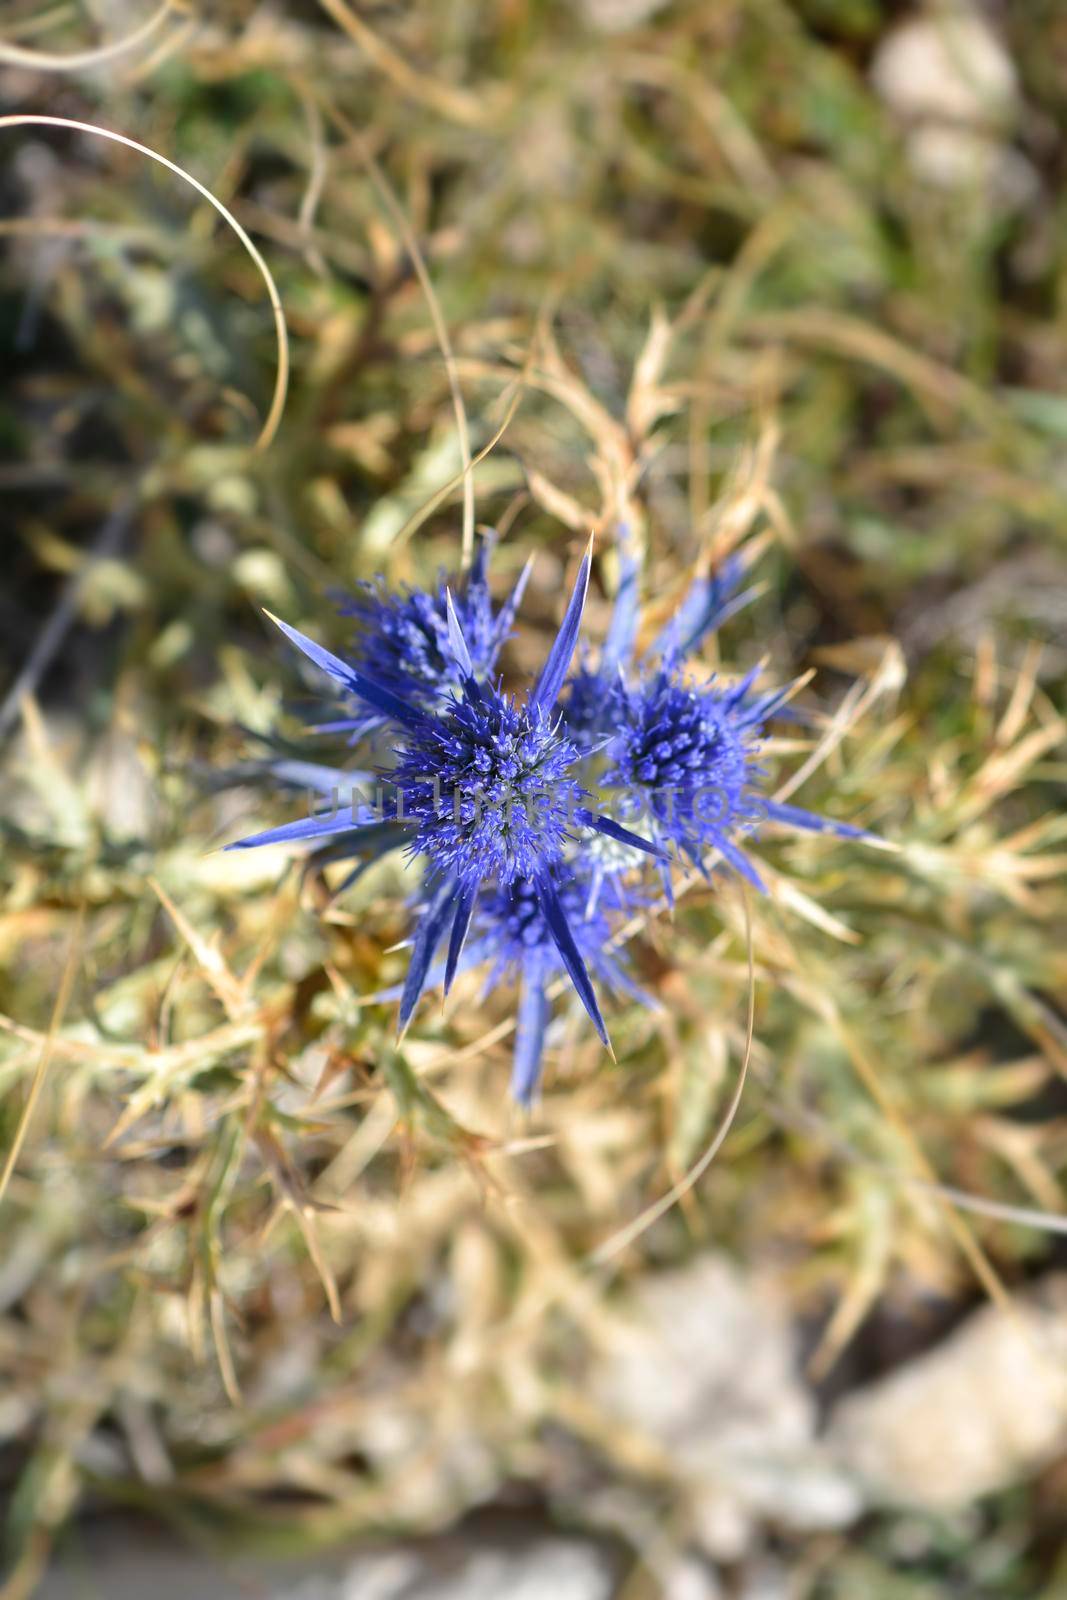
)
(13, 55)
(418, 261)
(514, 391)
(22, 119)
(626, 1236)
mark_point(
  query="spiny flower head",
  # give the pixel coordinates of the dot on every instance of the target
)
(492, 791)
(487, 785)
(690, 751)
(597, 702)
(513, 918)
(404, 640)
(486, 795)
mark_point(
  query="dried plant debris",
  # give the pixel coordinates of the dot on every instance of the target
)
(769, 313)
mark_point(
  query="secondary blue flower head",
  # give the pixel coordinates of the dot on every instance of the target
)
(589, 708)
(594, 704)
(683, 755)
(403, 641)
(690, 753)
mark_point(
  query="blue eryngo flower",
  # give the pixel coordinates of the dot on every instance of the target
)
(686, 756)
(589, 709)
(683, 755)
(488, 787)
(690, 753)
(491, 791)
(403, 640)
(486, 792)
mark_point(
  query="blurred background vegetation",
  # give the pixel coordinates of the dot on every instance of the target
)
(790, 274)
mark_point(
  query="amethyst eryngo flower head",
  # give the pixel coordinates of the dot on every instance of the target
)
(403, 641)
(512, 921)
(487, 785)
(688, 754)
(492, 791)
(597, 702)
(686, 757)
(485, 790)
(682, 755)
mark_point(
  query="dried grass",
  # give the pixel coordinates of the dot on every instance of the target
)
(263, 1266)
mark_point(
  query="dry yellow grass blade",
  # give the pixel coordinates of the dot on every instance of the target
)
(789, 894)
(557, 502)
(803, 1117)
(512, 398)
(463, 477)
(1020, 1147)
(63, 993)
(938, 388)
(755, 254)
(626, 1236)
(1002, 770)
(871, 1078)
(13, 55)
(295, 1198)
(23, 119)
(411, 244)
(863, 1289)
(227, 1370)
(643, 404)
(886, 679)
(736, 141)
(615, 463)
(1013, 721)
(76, 228)
(209, 959)
(470, 108)
(156, 1065)
(309, 203)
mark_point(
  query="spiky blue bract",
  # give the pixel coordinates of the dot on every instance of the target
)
(545, 691)
(352, 679)
(305, 828)
(427, 938)
(465, 904)
(569, 950)
(541, 930)
(621, 637)
(591, 705)
(709, 603)
(487, 787)
(811, 822)
(512, 924)
(531, 1025)
(513, 918)
(615, 831)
